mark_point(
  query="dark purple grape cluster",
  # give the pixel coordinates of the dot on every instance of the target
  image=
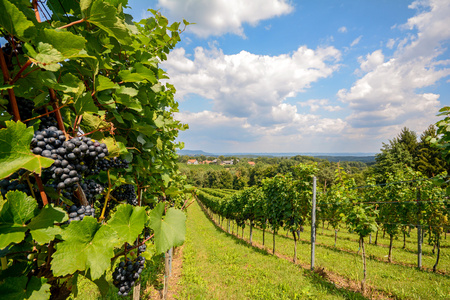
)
(106, 164)
(73, 158)
(25, 106)
(7, 185)
(9, 52)
(126, 274)
(77, 213)
(91, 189)
(126, 192)
(47, 121)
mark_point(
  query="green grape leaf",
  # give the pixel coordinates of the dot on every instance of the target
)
(148, 130)
(85, 104)
(21, 288)
(15, 211)
(67, 43)
(169, 231)
(104, 16)
(87, 245)
(14, 21)
(42, 227)
(15, 151)
(104, 83)
(48, 57)
(142, 73)
(128, 222)
(92, 122)
(129, 102)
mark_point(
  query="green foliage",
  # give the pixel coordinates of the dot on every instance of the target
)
(170, 230)
(15, 151)
(96, 72)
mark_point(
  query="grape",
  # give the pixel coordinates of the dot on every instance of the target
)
(25, 107)
(126, 192)
(73, 158)
(78, 213)
(126, 274)
(14, 184)
(91, 189)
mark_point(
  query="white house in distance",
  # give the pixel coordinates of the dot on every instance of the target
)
(192, 162)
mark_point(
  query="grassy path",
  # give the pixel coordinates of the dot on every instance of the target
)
(216, 265)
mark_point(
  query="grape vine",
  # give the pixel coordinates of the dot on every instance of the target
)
(79, 124)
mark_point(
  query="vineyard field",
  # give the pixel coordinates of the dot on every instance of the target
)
(217, 265)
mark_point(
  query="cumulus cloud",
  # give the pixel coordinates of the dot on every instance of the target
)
(218, 17)
(371, 61)
(249, 85)
(293, 133)
(388, 94)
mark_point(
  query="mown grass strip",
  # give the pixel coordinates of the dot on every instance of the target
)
(217, 265)
(403, 282)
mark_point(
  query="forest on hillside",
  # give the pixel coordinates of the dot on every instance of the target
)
(406, 150)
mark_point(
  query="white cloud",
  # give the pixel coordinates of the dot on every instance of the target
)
(245, 84)
(218, 17)
(213, 131)
(316, 104)
(356, 41)
(342, 29)
(387, 97)
(372, 60)
(390, 44)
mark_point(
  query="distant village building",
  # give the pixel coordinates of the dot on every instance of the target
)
(251, 163)
(227, 162)
(192, 162)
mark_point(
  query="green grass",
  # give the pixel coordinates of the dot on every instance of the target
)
(402, 281)
(216, 265)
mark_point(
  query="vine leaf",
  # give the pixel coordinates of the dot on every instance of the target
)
(21, 288)
(87, 245)
(42, 227)
(14, 21)
(104, 16)
(104, 83)
(85, 104)
(15, 211)
(169, 231)
(67, 43)
(128, 222)
(15, 151)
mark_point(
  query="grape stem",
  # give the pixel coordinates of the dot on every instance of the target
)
(24, 67)
(106, 198)
(41, 189)
(36, 11)
(46, 114)
(57, 111)
(73, 23)
(6, 79)
(31, 187)
(134, 247)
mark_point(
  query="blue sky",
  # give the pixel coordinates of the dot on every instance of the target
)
(306, 76)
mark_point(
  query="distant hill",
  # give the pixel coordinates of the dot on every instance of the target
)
(195, 153)
(334, 157)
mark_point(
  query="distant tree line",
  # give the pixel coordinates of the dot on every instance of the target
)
(407, 149)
